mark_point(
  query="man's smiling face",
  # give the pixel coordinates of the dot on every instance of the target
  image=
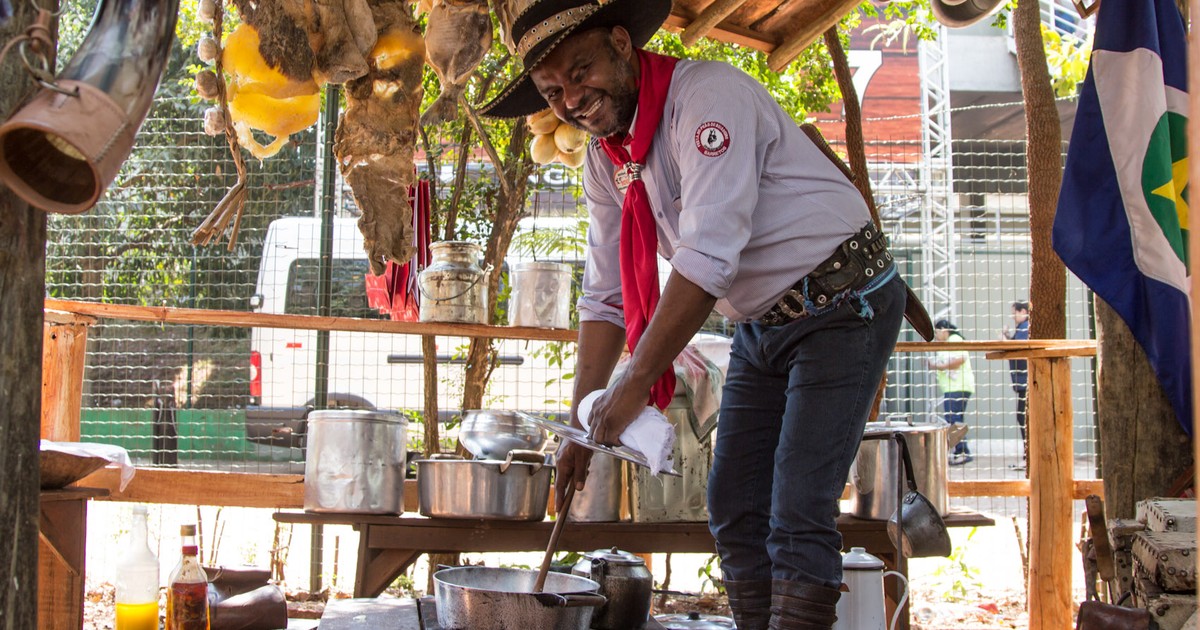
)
(590, 81)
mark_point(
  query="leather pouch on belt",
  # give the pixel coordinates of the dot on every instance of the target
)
(838, 273)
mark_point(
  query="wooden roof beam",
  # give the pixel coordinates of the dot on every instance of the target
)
(827, 14)
(712, 15)
(728, 33)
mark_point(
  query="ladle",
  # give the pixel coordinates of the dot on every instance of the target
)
(563, 511)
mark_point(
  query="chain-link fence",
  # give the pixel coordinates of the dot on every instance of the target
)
(179, 395)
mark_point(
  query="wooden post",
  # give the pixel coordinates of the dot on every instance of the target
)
(22, 288)
(1051, 458)
(64, 350)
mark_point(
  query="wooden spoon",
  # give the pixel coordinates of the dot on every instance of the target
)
(554, 534)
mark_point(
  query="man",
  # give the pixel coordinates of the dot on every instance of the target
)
(694, 160)
(956, 380)
(1018, 371)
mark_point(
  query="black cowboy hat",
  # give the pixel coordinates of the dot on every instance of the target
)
(544, 24)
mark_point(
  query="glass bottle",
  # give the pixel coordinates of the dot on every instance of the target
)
(137, 579)
(187, 597)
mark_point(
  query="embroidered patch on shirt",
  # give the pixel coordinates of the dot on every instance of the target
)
(712, 139)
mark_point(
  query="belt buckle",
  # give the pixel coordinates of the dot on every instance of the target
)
(786, 309)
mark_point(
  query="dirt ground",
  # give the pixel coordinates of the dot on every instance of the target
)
(979, 587)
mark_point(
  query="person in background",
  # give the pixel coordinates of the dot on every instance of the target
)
(956, 380)
(1018, 371)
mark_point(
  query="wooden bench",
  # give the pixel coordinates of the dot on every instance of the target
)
(388, 545)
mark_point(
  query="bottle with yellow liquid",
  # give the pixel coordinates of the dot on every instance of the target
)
(137, 579)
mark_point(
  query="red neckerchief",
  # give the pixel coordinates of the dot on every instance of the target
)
(639, 234)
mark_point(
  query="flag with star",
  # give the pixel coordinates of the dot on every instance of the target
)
(1122, 220)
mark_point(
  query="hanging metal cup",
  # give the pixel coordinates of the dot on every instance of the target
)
(916, 528)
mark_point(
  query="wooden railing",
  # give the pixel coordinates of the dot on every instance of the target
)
(1051, 486)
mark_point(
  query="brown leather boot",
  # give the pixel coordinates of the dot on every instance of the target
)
(749, 603)
(802, 606)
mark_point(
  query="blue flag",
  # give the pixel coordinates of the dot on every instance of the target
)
(1122, 212)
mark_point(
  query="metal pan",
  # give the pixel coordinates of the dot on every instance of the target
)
(580, 437)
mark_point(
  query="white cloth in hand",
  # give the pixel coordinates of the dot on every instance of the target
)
(649, 434)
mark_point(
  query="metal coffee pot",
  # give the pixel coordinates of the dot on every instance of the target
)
(861, 607)
(625, 581)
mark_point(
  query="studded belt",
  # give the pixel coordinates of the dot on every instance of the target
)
(856, 263)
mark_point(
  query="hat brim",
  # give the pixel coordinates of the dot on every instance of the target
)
(642, 18)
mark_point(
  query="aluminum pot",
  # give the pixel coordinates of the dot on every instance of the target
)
(878, 469)
(625, 581)
(355, 461)
(515, 489)
(495, 598)
(491, 434)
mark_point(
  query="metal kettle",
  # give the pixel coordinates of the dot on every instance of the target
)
(861, 607)
(625, 581)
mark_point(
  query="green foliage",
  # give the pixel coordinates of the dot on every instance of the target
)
(1067, 58)
(710, 571)
(960, 579)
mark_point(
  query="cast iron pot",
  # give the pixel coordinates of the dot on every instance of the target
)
(495, 598)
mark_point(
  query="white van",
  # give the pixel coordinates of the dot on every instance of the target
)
(366, 370)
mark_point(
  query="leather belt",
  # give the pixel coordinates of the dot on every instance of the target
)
(855, 263)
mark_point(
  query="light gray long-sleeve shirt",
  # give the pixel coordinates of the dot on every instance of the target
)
(745, 203)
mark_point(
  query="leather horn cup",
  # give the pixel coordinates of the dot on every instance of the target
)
(63, 147)
(960, 13)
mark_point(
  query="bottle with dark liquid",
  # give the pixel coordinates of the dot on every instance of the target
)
(187, 597)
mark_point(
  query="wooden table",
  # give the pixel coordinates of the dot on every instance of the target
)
(62, 529)
(388, 545)
(393, 614)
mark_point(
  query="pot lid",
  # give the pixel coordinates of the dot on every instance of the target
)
(859, 560)
(694, 620)
(901, 425)
(356, 415)
(615, 556)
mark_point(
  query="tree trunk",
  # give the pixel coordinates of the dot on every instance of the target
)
(22, 290)
(1043, 135)
(509, 208)
(1143, 450)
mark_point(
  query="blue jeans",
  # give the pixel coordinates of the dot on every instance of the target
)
(954, 404)
(795, 403)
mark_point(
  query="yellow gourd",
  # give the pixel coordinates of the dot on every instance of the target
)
(542, 122)
(542, 149)
(569, 139)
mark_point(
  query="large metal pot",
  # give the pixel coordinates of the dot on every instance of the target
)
(494, 598)
(491, 434)
(515, 489)
(625, 581)
(355, 461)
(878, 469)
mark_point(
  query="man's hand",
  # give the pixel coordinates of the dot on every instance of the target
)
(615, 410)
(571, 467)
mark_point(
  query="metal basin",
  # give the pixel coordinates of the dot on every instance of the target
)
(494, 598)
(510, 490)
(491, 434)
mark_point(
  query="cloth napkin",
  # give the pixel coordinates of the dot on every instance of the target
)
(650, 434)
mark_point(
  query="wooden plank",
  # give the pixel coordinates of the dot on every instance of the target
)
(61, 562)
(820, 16)
(157, 485)
(202, 487)
(64, 353)
(240, 319)
(725, 32)
(1085, 349)
(1050, 516)
(712, 15)
(374, 613)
